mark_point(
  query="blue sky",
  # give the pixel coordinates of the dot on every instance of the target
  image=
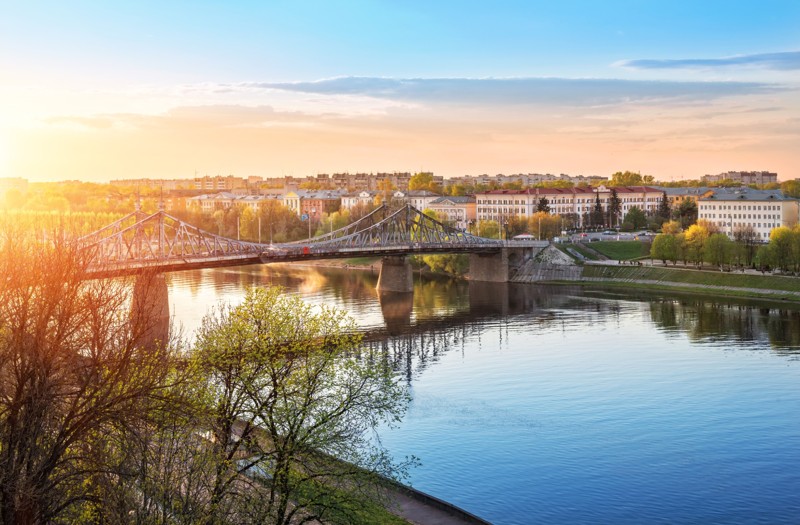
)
(377, 86)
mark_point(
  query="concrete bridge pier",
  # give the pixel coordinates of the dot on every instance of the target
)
(489, 267)
(396, 275)
(149, 313)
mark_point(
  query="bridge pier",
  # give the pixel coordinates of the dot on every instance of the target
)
(489, 267)
(149, 313)
(396, 275)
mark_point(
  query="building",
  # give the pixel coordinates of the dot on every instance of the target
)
(458, 212)
(743, 177)
(364, 197)
(209, 203)
(525, 179)
(578, 202)
(420, 199)
(313, 203)
(219, 182)
(675, 196)
(734, 209)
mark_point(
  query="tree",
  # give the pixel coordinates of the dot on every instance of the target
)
(291, 397)
(694, 243)
(614, 208)
(423, 181)
(543, 205)
(671, 227)
(79, 383)
(635, 218)
(629, 178)
(686, 213)
(780, 247)
(746, 239)
(664, 211)
(597, 212)
(664, 247)
(718, 249)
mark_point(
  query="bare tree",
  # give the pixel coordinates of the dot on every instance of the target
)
(77, 387)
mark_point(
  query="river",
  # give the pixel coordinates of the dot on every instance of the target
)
(539, 404)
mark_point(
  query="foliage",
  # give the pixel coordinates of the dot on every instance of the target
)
(597, 214)
(614, 208)
(543, 205)
(718, 249)
(671, 227)
(290, 393)
(629, 178)
(423, 181)
(686, 213)
(82, 383)
(664, 247)
(635, 219)
(456, 264)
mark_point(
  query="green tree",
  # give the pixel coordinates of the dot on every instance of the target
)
(614, 208)
(686, 213)
(543, 205)
(664, 247)
(718, 250)
(635, 218)
(664, 211)
(290, 394)
(780, 248)
(597, 212)
(629, 178)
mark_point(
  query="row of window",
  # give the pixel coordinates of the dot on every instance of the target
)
(742, 207)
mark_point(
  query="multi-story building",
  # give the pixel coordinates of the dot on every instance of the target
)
(209, 203)
(356, 198)
(743, 177)
(458, 212)
(526, 179)
(733, 209)
(499, 205)
(420, 199)
(675, 196)
(313, 203)
(219, 182)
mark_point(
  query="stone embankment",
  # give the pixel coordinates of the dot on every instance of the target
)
(551, 264)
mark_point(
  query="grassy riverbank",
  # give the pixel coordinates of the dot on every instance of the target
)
(698, 281)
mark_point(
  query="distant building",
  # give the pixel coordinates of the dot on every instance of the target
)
(458, 212)
(364, 197)
(525, 179)
(732, 209)
(675, 196)
(313, 203)
(743, 177)
(209, 203)
(577, 202)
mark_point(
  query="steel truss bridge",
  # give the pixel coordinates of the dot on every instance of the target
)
(161, 242)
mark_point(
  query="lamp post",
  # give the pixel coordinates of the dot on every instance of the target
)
(540, 227)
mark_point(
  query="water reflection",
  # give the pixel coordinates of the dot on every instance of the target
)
(440, 310)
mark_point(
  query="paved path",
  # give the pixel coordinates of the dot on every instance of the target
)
(422, 509)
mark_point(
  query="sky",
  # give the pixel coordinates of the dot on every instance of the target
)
(96, 90)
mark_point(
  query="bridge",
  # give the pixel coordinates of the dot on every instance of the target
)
(159, 242)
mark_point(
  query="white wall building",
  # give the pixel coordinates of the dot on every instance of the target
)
(498, 205)
(731, 209)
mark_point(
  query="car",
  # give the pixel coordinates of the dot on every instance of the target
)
(609, 232)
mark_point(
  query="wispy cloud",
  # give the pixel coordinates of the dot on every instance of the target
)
(516, 91)
(785, 61)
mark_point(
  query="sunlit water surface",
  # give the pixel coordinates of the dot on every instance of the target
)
(557, 405)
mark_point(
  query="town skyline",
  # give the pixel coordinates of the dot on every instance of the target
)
(167, 91)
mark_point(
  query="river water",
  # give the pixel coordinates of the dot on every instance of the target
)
(537, 404)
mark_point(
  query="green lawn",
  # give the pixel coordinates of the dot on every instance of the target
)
(675, 275)
(620, 250)
(578, 248)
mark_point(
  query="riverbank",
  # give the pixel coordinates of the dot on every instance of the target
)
(705, 282)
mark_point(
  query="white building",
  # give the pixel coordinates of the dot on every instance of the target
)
(223, 200)
(455, 211)
(732, 209)
(498, 205)
(353, 199)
